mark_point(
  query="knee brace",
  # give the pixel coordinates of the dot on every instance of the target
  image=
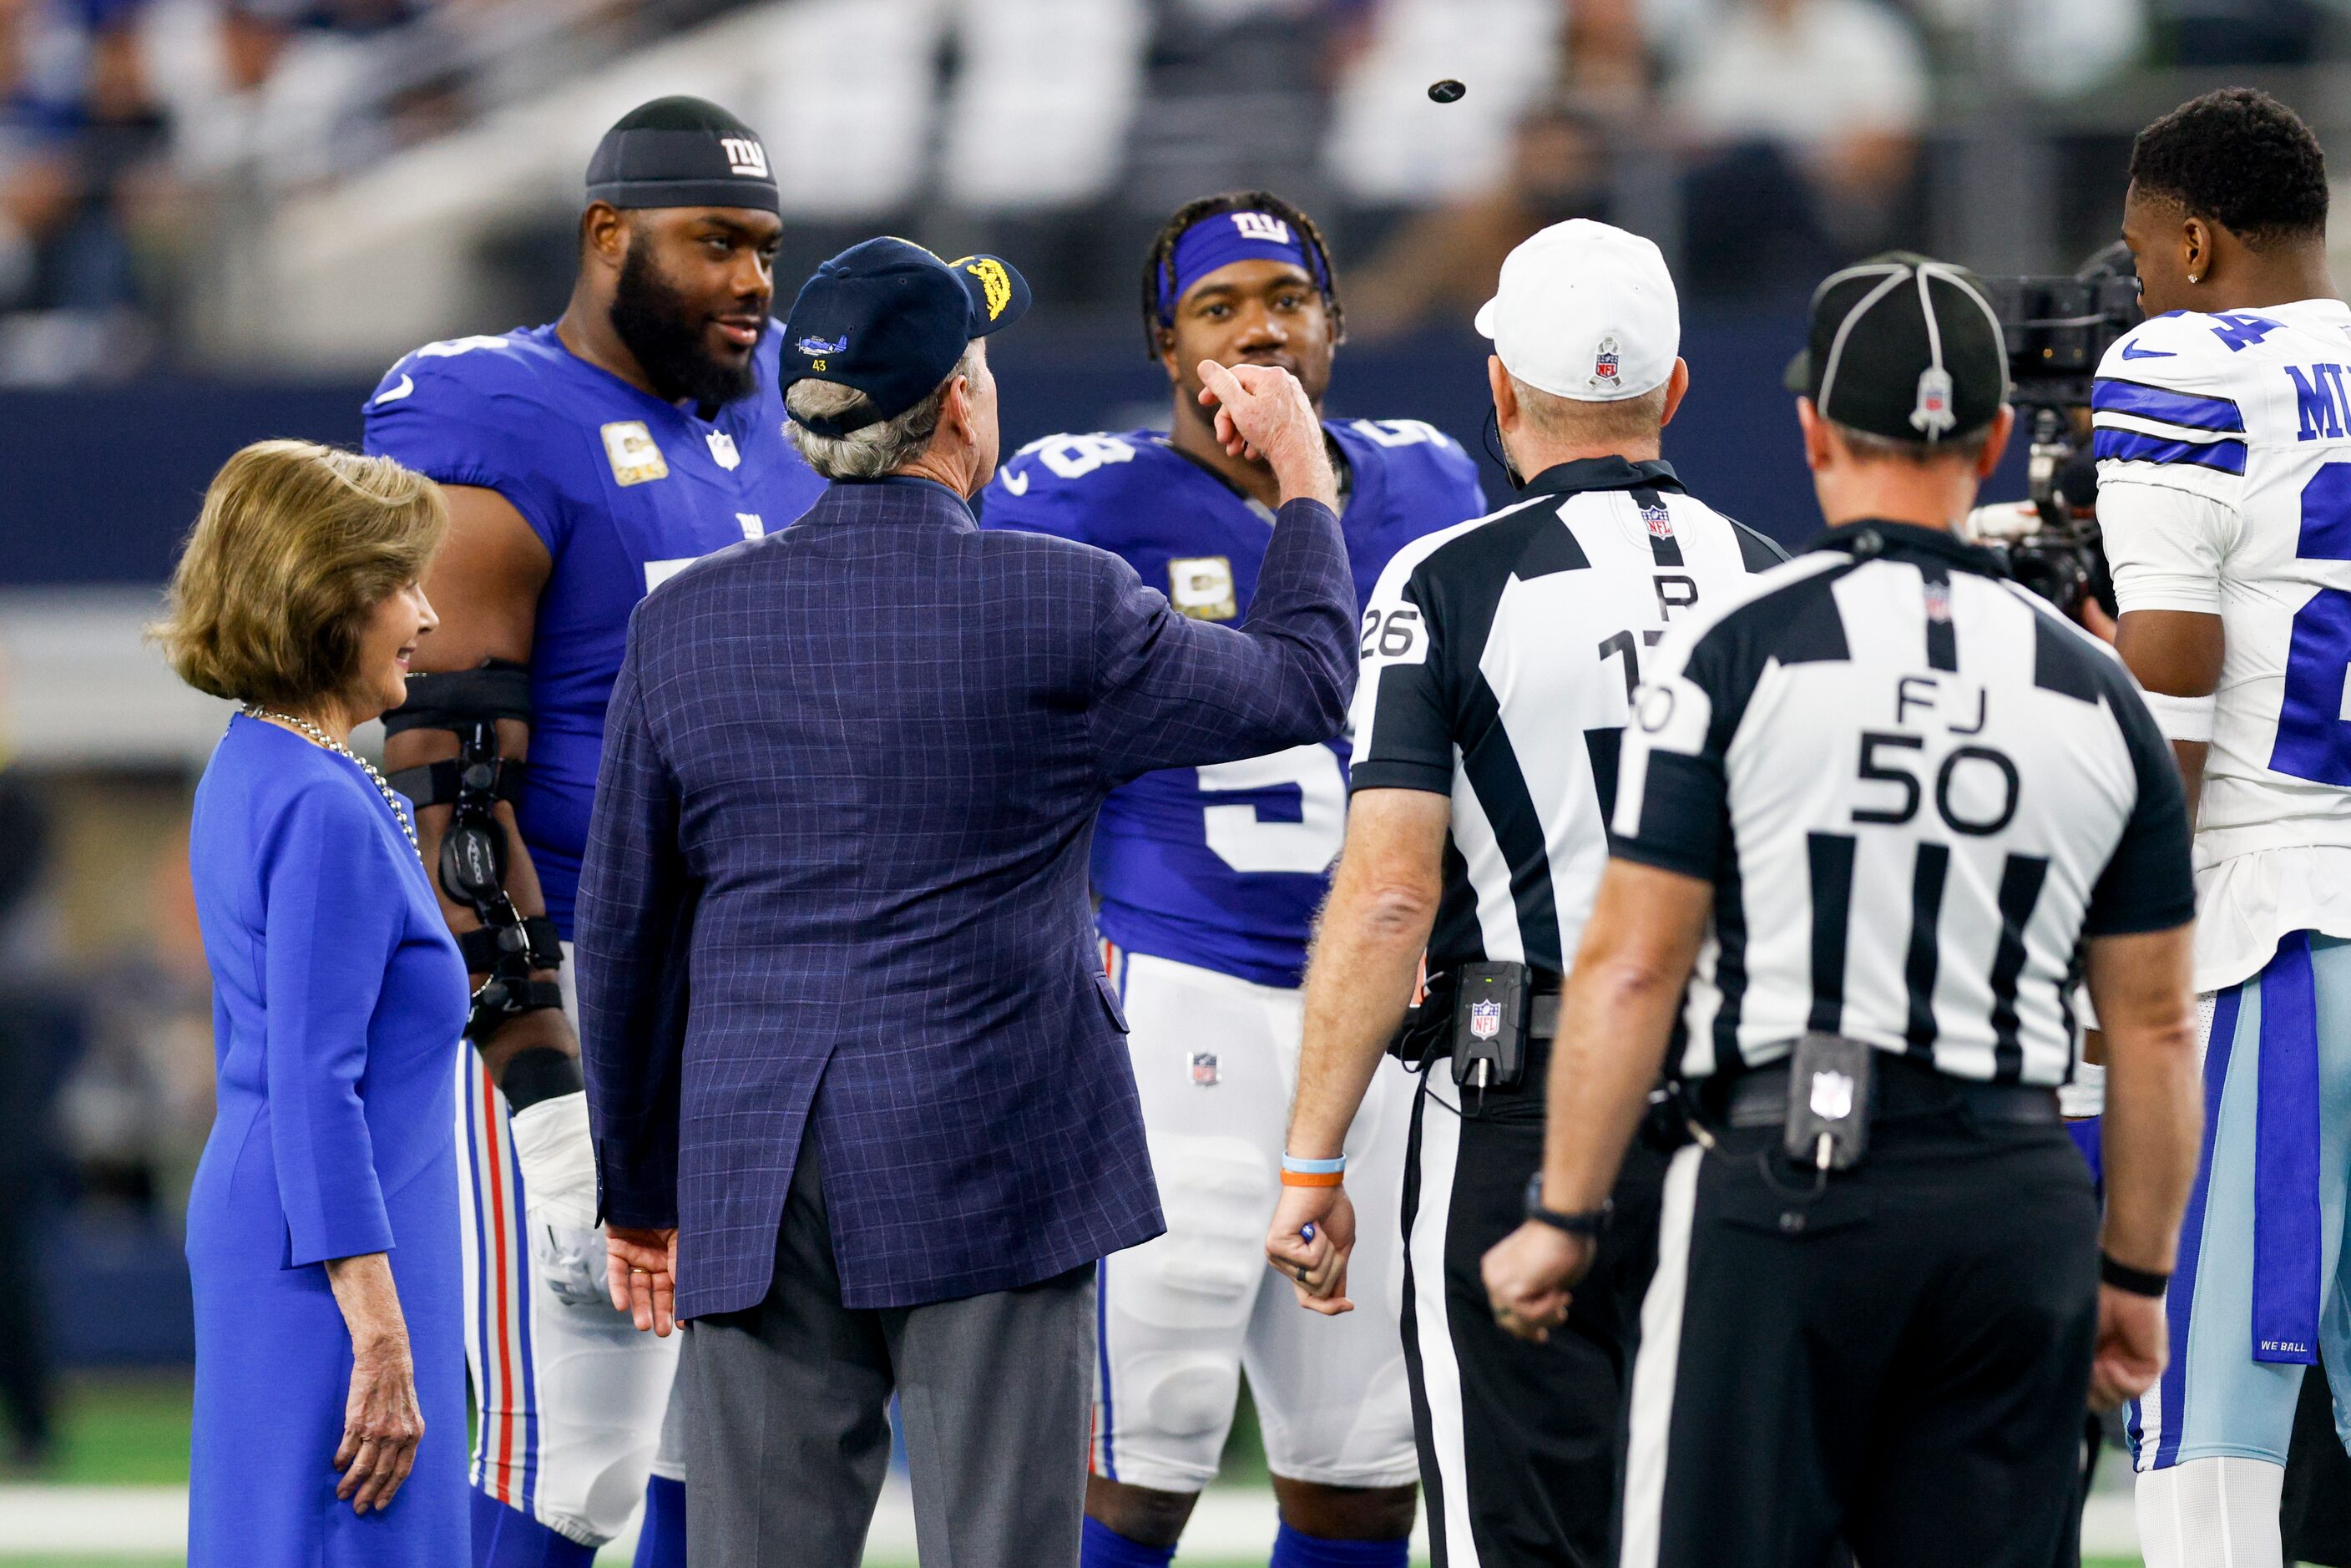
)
(507, 948)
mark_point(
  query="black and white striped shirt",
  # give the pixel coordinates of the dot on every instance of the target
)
(1499, 661)
(1916, 787)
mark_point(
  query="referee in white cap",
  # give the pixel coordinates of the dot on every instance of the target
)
(1879, 812)
(1500, 658)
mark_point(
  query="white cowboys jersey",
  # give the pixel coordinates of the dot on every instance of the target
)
(1916, 787)
(2224, 489)
(1500, 660)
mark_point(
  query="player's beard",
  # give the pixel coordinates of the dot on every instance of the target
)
(666, 335)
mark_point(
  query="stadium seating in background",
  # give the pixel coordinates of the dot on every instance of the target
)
(1390, 145)
(1037, 113)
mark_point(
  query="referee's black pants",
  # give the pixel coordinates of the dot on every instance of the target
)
(1900, 1357)
(1521, 1444)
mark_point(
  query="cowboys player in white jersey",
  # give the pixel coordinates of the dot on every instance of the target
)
(1208, 878)
(2223, 434)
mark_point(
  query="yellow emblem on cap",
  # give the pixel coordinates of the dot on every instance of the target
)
(994, 281)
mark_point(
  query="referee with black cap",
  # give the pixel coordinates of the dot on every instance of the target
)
(1878, 814)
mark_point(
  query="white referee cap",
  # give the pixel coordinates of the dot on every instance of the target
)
(1586, 312)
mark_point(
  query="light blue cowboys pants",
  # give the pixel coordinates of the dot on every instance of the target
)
(2217, 1397)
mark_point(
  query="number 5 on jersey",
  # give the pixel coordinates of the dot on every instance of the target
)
(1247, 841)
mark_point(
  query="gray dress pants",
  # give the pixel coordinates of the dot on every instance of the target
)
(790, 1437)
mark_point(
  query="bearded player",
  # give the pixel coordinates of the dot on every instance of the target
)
(1208, 880)
(584, 462)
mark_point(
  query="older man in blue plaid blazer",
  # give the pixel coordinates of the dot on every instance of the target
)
(856, 1077)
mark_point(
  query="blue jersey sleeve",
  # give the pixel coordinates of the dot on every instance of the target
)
(1057, 485)
(1431, 481)
(1454, 482)
(469, 411)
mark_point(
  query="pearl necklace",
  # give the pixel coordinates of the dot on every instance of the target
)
(321, 739)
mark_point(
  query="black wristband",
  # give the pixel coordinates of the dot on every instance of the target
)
(542, 1072)
(1590, 1223)
(2134, 1281)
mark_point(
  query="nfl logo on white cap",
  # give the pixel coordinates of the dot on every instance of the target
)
(1586, 312)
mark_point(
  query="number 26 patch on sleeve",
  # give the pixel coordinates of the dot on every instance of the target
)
(1393, 636)
(1202, 587)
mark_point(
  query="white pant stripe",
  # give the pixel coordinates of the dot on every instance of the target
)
(498, 1269)
(1654, 1371)
(1440, 1149)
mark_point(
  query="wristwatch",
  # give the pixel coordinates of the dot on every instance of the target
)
(1589, 1223)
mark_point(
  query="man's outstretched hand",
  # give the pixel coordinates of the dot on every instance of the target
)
(640, 1268)
(1262, 411)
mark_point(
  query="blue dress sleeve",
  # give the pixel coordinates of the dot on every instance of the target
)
(332, 918)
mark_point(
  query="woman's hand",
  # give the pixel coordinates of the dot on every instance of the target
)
(383, 1423)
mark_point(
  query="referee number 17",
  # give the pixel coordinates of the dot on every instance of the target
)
(1675, 592)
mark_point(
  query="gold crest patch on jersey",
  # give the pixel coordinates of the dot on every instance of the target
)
(635, 457)
(1202, 587)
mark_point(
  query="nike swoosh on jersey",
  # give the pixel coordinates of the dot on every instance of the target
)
(394, 394)
(1014, 484)
(2132, 351)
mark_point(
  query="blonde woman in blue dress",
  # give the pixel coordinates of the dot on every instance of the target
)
(330, 1406)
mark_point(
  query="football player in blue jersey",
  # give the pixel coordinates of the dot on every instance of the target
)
(584, 462)
(1208, 879)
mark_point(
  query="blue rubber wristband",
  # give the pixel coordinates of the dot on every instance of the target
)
(1313, 1167)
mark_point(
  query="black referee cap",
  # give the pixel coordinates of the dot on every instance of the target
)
(682, 152)
(1905, 347)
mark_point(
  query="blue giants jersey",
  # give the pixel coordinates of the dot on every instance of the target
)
(1223, 867)
(623, 489)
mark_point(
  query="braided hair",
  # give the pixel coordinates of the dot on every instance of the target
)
(1159, 268)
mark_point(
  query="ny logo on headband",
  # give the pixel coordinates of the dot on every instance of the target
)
(745, 156)
(1262, 226)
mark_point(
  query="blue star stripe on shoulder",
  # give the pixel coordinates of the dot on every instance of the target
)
(2193, 410)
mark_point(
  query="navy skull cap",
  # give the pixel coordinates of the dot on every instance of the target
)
(682, 152)
(891, 320)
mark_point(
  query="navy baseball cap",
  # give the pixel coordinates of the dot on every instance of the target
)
(891, 320)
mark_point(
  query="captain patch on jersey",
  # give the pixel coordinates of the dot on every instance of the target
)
(1223, 867)
(622, 488)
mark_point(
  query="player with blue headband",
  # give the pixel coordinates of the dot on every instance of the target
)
(1208, 880)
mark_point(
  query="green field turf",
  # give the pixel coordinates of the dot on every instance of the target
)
(126, 1430)
(133, 1430)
